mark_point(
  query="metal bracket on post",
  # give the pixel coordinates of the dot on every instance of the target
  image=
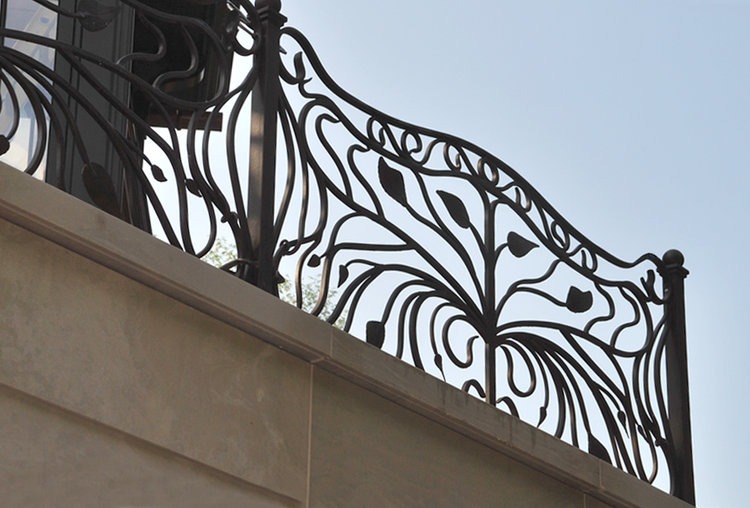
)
(674, 273)
(261, 188)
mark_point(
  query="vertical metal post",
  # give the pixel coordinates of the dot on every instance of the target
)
(489, 302)
(674, 274)
(490, 384)
(261, 189)
(65, 163)
(109, 44)
(3, 15)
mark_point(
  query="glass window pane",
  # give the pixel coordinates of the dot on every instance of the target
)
(31, 18)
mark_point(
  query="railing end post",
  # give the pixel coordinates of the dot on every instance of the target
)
(674, 273)
(674, 261)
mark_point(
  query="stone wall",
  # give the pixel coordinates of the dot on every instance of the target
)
(132, 374)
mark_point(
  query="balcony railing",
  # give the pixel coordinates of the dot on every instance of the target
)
(215, 120)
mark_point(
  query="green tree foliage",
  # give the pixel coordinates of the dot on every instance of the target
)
(223, 252)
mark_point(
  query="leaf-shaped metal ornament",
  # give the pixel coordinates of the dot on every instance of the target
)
(597, 449)
(392, 182)
(579, 301)
(343, 274)
(520, 246)
(623, 418)
(641, 432)
(439, 364)
(230, 217)
(648, 285)
(299, 67)
(455, 208)
(192, 187)
(4, 144)
(651, 427)
(101, 190)
(158, 173)
(375, 333)
(95, 16)
(542, 415)
(314, 261)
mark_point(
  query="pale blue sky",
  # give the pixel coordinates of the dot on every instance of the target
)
(632, 118)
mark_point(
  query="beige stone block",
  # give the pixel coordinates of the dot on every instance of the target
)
(367, 451)
(92, 233)
(53, 458)
(574, 465)
(467, 415)
(92, 341)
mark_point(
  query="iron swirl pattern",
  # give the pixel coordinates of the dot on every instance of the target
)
(440, 254)
(154, 134)
(419, 242)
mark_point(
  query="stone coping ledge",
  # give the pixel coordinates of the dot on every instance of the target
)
(81, 228)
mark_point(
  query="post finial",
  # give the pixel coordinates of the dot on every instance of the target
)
(673, 258)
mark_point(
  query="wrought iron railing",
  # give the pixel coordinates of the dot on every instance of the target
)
(430, 248)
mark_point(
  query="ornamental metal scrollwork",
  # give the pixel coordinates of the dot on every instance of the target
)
(154, 115)
(445, 257)
(419, 242)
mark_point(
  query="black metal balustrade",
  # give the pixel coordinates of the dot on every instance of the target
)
(431, 248)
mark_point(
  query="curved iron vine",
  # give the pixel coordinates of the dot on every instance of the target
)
(439, 200)
(431, 248)
(154, 111)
